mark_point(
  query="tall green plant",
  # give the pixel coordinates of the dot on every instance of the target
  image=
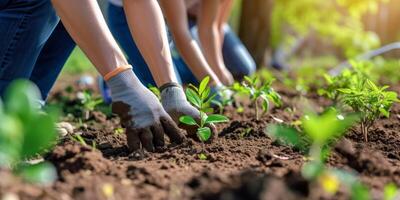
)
(370, 101)
(25, 132)
(322, 130)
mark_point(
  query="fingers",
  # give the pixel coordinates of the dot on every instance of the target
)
(172, 130)
(158, 133)
(133, 139)
(146, 137)
(122, 110)
(138, 136)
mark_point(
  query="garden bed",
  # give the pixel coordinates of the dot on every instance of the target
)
(242, 163)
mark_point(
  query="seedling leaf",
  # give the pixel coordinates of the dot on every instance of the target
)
(204, 134)
(216, 119)
(188, 120)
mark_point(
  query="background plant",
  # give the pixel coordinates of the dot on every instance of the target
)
(25, 133)
(370, 101)
(257, 91)
(322, 130)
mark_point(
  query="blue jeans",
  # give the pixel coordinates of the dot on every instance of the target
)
(25, 26)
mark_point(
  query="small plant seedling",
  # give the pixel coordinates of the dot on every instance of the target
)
(256, 92)
(370, 101)
(89, 103)
(202, 156)
(334, 126)
(348, 77)
(225, 99)
(199, 97)
(78, 138)
(26, 132)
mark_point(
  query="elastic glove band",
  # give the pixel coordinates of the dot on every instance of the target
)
(116, 71)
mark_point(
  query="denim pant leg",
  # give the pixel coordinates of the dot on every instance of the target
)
(25, 27)
(236, 57)
(52, 58)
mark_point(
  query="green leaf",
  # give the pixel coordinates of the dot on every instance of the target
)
(216, 119)
(41, 173)
(327, 126)
(360, 192)
(193, 97)
(390, 192)
(204, 134)
(204, 84)
(248, 79)
(39, 135)
(21, 99)
(188, 120)
(202, 156)
(205, 93)
(284, 135)
(11, 137)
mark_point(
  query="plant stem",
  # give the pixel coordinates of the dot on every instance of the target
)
(257, 112)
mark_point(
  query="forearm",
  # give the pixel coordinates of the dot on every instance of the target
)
(175, 14)
(223, 17)
(85, 23)
(148, 29)
(210, 38)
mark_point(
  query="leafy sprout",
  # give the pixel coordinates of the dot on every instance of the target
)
(25, 133)
(225, 99)
(370, 101)
(256, 91)
(200, 98)
(321, 130)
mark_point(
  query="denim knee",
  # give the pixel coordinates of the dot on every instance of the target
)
(237, 58)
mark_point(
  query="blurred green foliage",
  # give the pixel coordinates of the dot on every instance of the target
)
(78, 63)
(338, 21)
(26, 132)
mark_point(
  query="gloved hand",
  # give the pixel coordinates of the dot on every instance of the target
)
(175, 103)
(141, 113)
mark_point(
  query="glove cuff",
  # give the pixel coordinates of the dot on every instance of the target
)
(169, 85)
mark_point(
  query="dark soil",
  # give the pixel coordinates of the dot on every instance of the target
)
(242, 163)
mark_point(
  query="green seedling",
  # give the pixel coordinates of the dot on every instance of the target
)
(202, 156)
(200, 98)
(346, 79)
(370, 101)
(25, 133)
(225, 100)
(334, 126)
(154, 90)
(258, 92)
(78, 138)
(89, 103)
